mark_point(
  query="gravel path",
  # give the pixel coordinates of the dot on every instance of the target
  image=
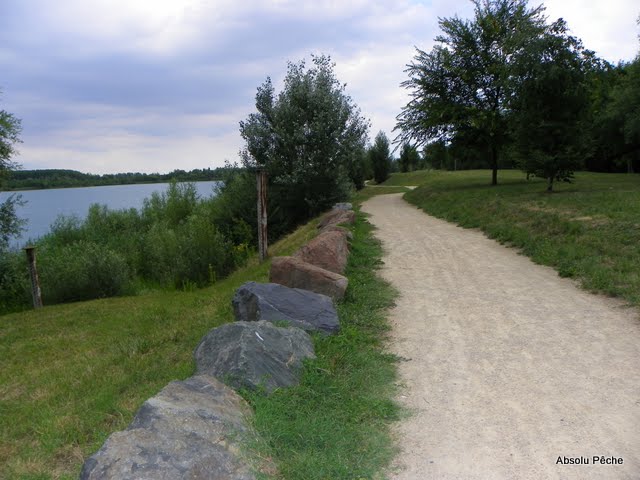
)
(506, 365)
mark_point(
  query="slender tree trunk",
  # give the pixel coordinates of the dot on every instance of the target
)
(550, 185)
(494, 165)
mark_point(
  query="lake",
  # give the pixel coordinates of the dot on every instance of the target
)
(44, 206)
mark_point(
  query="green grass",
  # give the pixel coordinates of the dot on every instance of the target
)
(409, 178)
(334, 425)
(72, 374)
(588, 230)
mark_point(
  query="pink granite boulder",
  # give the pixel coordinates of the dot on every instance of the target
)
(294, 273)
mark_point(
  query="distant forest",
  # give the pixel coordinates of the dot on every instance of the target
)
(54, 178)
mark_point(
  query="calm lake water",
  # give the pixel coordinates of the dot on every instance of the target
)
(44, 206)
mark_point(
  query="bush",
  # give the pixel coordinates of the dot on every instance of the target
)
(15, 285)
(177, 240)
(81, 271)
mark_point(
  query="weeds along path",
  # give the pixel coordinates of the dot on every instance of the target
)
(506, 366)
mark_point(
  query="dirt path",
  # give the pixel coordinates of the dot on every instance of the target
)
(508, 366)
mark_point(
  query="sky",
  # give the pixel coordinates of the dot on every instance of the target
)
(106, 86)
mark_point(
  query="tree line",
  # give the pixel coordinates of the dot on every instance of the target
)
(509, 89)
(59, 178)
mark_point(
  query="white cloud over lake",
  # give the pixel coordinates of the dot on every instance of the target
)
(130, 85)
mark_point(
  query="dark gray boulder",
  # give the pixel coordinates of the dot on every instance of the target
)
(310, 311)
(191, 429)
(254, 355)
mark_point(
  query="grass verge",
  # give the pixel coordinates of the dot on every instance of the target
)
(588, 230)
(334, 425)
(72, 374)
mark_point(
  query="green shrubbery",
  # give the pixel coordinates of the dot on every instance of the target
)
(177, 240)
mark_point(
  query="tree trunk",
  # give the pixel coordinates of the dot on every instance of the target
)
(550, 185)
(494, 165)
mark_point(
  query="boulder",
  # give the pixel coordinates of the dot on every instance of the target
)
(275, 303)
(334, 228)
(190, 429)
(343, 206)
(254, 355)
(337, 217)
(329, 250)
(295, 273)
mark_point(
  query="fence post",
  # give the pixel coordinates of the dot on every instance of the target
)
(36, 293)
(262, 212)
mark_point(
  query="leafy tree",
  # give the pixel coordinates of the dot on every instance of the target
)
(463, 85)
(380, 157)
(623, 111)
(308, 137)
(409, 158)
(10, 129)
(10, 225)
(606, 137)
(359, 168)
(550, 101)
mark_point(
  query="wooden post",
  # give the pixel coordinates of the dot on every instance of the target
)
(36, 293)
(262, 212)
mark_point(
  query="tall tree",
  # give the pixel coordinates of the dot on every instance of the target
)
(549, 104)
(10, 224)
(10, 129)
(380, 157)
(624, 111)
(409, 158)
(463, 85)
(309, 137)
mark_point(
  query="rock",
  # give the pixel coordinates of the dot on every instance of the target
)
(189, 430)
(293, 272)
(335, 228)
(254, 355)
(337, 217)
(343, 206)
(272, 302)
(329, 250)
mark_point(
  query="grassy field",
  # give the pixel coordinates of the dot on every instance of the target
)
(72, 374)
(588, 230)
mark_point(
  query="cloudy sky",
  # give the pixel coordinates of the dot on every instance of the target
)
(107, 86)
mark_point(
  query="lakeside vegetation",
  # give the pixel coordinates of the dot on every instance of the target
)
(588, 230)
(177, 240)
(59, 178)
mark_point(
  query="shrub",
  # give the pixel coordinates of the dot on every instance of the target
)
(81, 271)
(14, 281)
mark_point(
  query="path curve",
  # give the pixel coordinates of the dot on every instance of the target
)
(506, 365)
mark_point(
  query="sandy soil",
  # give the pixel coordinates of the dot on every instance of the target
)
(506, 365)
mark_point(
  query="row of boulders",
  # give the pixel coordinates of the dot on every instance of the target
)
(319, 265)
(193, 428)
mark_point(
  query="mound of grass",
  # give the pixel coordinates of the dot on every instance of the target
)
(588, 230)
(72, 374)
